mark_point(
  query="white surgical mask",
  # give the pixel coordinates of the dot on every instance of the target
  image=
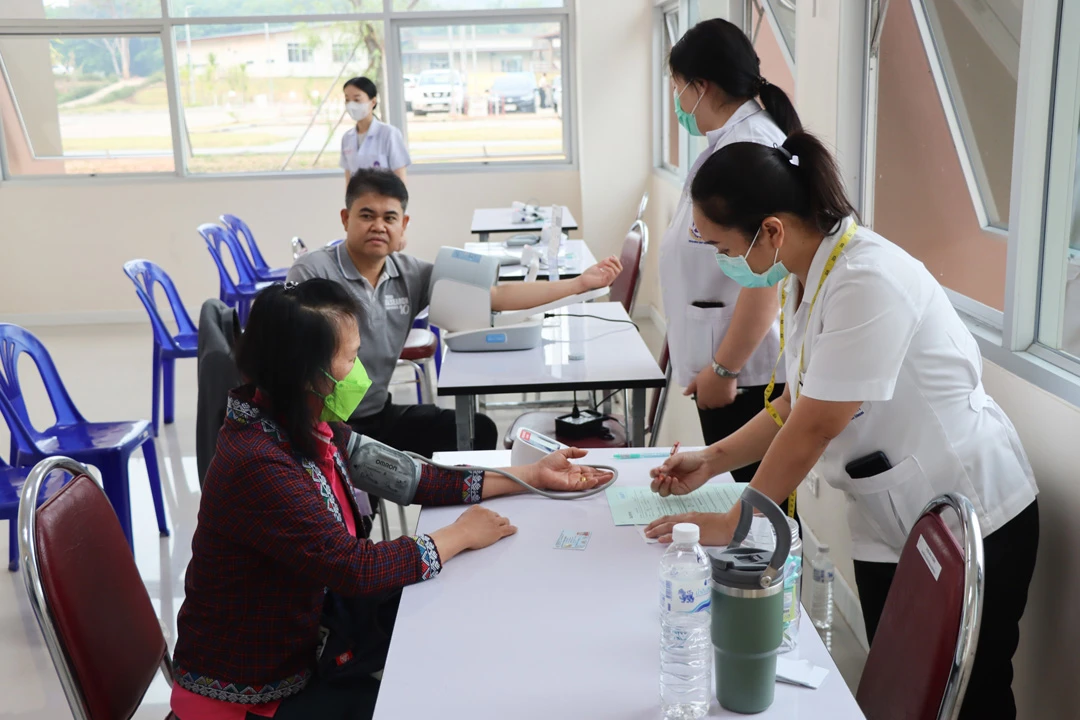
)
(358, 111)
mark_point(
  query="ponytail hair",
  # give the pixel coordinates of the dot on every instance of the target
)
(717, 51)
(743, 183)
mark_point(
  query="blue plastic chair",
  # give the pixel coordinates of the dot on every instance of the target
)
(108, 446)
(421, 321)
(235, 293)
(167, 347)
(11, 482)
(263, 271)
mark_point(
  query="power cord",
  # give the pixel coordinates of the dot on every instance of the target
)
(594, 317)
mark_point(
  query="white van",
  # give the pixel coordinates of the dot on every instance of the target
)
(439, 91)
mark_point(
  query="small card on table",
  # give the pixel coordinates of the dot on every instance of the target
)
(573, 540)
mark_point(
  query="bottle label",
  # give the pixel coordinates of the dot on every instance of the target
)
(686, 597)
(791, 589)
(822, 576)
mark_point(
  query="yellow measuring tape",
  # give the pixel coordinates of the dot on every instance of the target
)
(829, 265)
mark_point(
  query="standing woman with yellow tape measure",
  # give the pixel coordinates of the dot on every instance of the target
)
(884, 396)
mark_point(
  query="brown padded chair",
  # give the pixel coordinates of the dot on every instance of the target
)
(920, 661)
(100, 628)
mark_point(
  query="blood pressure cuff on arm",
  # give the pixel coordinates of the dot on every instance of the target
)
(381, 470)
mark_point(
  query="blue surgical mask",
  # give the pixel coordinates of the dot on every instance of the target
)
(687, 119)
(739, 270)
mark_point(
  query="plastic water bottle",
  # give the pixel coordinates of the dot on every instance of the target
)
(792, 587)
(821, 589)
(685, 633)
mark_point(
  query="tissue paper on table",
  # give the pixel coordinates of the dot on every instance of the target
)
(800, 672)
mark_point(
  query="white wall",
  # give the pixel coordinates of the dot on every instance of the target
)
(69, 240)
(614, 38)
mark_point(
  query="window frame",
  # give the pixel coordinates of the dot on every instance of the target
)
(765, 10)
(569, 77)
(164, 27)
(1040, 200)
(661, 10)
(956, 118)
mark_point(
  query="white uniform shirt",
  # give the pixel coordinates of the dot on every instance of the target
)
(382, 147)
(689, 273)
(884, 332)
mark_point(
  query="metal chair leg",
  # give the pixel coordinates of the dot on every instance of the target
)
(384, 524)
(403, 520)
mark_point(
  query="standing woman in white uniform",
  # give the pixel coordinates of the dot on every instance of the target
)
(370, 143)
(723, 338)
(884, 396)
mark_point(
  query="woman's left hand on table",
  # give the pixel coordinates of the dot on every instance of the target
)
(555, 472)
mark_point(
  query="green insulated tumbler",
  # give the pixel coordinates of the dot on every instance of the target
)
(748, 610)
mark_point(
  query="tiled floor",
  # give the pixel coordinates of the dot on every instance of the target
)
(107, 371)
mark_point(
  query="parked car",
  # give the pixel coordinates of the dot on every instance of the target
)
(556, 91)
(515, 91)
(439, 91)
(412, 87)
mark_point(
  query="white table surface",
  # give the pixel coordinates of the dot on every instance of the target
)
(521, 630)
(499, 220)
(574, 258)
(616, 357)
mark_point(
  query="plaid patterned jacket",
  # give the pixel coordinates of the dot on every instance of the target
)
(270, 540)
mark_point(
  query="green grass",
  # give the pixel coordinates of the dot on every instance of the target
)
(198, 141)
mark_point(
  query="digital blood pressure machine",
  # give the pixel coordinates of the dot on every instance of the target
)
(461, 285)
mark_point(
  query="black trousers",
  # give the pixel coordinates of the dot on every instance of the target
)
(330, 701)
(1010, 561)
(423, 429)
(353, 696)
(718, 423)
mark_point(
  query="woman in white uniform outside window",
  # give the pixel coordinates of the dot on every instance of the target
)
(723, 338)
(370, 143)
(884, 397)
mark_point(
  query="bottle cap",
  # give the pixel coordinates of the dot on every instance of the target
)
(685, 533)
(823, 548)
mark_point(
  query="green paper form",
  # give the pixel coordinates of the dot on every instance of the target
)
(640, 505)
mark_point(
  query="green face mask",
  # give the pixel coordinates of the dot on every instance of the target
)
(687, 119)
(343, 400)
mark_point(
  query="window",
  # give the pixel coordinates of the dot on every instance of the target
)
(429, 5)
(299, 54)
(975, 45)
(669, 122)
(89, 87)
(240, 8)
(781, 14)
(79, 9)
(85, 105)
(467, 107)
(244, 113)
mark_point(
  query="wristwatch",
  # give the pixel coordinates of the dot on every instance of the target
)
(723, 371)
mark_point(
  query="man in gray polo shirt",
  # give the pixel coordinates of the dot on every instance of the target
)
(392, 288)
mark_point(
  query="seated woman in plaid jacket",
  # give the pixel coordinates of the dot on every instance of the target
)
(282, 546)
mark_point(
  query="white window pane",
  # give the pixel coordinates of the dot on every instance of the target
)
(85, 105)
(669, 123)
(978, 45)
(79, 9)
(250, 92)
(489, 93)
(241, 8)
(784, 12)
(429, 5)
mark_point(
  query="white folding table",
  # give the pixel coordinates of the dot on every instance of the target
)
(616, 358)
(521, 630)
(501, 220)
(574, 259)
